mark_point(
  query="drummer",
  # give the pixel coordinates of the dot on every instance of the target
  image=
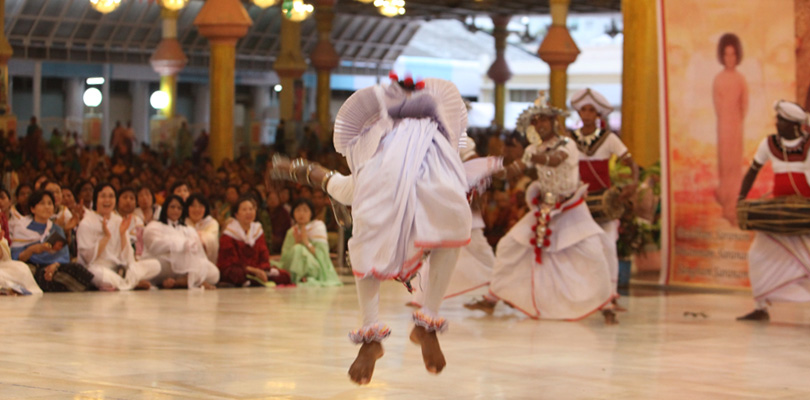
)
(779, 265)
(597, 145)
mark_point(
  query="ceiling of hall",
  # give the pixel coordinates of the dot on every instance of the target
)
(70, 30)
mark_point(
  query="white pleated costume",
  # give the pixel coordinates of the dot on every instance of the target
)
(180, 252)
(407, 191)
(475, 260)
(572, 278)
(104, 266)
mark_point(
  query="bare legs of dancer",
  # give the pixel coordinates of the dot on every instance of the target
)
(426, 320)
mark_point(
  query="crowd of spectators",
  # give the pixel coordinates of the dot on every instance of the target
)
(167, 217)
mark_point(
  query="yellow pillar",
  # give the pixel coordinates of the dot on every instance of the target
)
(222, 22)
(499, 70)
(168, 84)
(290, 66)
(8, 121)
(324, 58)
(168, 59)
(286, 98)
(559, 51)
(222, 74)
(640, 111)
(324, 96)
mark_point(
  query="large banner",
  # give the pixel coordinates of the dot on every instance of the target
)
(725, 63)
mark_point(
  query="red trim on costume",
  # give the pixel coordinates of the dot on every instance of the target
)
(788, 251)
(613, 296)
(668, 180)
(594, 173)
(411, 265)
(576, 203)
(465, 291)
(782, 286)
(783, 184)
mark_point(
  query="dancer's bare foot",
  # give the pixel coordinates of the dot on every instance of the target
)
(169, 283)
(431, 351)
(756, 315)
(143, 285)
(617, 307)
(481, 304)
(610, 317)
(208, 286)
(363, 366)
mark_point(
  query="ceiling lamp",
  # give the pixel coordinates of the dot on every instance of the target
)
(296, 10)
(265, 3)
(390, 8)
(365, 1)
(105, 6)
(173, 5)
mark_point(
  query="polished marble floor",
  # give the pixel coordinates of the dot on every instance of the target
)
(291, 344)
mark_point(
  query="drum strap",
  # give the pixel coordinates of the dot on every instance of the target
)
(790, 175)
(593, 171)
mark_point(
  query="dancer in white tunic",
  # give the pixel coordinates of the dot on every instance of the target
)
(408, 196)
(597, 145)
(179, 249)
(474, 267)
(555, 263)
(779, 265)
(103, 240)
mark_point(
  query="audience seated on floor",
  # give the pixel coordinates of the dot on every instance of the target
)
(305, 253)
(179, 250)
(243, 256)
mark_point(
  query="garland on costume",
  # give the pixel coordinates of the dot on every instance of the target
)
(542, 233)
(588, 140)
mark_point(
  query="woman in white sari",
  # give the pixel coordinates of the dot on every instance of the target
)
(199, 218)
(179, 249)
(14, 275)
(103, 239)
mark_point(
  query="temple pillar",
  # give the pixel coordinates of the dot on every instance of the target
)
(499, 70)
(558, 50)
(222, 22)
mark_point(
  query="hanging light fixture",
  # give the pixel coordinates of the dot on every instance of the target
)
(105, 6)
(296, 10)
(174, 5)
(265, 3)
(390, 8)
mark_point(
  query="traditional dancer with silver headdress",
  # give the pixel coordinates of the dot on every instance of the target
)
(408, 195)
(779, 263)
(555, 262)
